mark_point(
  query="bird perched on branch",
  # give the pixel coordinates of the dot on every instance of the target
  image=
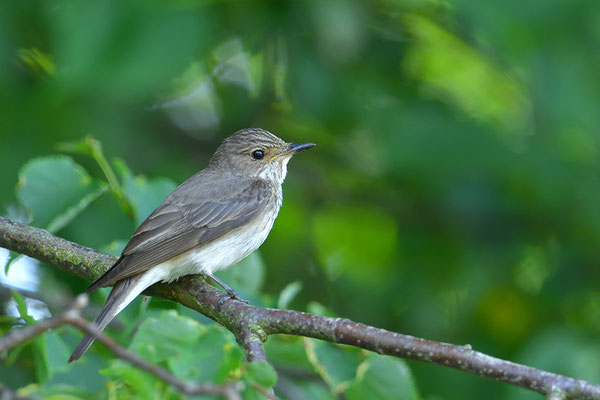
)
(211, 221)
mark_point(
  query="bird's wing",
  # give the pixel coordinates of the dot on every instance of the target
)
(177, 226)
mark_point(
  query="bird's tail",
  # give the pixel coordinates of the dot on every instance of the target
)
(123, 293)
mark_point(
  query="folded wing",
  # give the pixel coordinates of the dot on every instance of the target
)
(183, 222)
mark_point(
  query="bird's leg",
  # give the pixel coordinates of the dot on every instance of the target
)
(230, 292)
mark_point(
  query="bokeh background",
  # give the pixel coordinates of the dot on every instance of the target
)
(454, 193)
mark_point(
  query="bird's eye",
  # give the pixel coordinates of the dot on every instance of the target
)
(258, 154)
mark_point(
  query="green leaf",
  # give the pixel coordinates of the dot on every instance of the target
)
(455, 72)
(262, 373)
(143, 194)
(288, 352)
(62, 220)
(13, 257)
(43, 370)
(39, 344)
(193, 104)
(93, 148)
(156, 343)
(252, 393)
(142, 384)
(57, 353)
(245, 277)
(54, 392)
(55, 190)
(231, 361)
(191, 350)
(235, 66)
(288, 293)
(316, 391)
(336, 364)
(40, 62)
(22, 308)
(64, 396)
(383, 377)
(209, 358)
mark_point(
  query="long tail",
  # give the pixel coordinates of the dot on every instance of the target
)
(122, 294)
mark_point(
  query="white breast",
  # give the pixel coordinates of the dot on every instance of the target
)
(222, 252)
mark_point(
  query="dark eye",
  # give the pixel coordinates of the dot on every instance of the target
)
(258, 154)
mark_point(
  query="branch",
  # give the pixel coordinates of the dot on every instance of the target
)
(72, 316)
(21, 335)
(251, 325)
(191, 389)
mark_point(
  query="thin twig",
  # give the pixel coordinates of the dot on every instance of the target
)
(250, 323)
(191, 389)
(264, 392)
(21, 335)
(71, 316)
(464, 358)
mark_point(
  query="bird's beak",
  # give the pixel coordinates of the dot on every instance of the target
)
(294, 148)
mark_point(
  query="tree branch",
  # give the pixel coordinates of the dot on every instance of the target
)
(192, 389)
(252, 343)
(251, 325)
(71, 315)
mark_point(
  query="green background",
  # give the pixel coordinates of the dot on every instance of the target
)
(454, 192)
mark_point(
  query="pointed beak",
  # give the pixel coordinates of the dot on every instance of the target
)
(293, 148)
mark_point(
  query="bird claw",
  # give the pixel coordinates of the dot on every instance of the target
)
(231, 295)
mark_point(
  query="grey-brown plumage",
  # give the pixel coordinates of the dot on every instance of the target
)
(211, 221)
(185, 221)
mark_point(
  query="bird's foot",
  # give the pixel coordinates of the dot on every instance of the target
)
(231, 295)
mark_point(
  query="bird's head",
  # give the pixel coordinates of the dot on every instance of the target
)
(256, 153)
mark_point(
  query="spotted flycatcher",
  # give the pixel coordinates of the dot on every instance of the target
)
(211, 221)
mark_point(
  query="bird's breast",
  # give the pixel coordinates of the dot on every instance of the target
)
(226, 250)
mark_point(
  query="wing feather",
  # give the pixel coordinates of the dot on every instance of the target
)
(182, 223)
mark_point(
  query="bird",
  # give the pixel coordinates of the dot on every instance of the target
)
(211, 221)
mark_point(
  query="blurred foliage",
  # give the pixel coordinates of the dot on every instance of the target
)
(453, 194)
